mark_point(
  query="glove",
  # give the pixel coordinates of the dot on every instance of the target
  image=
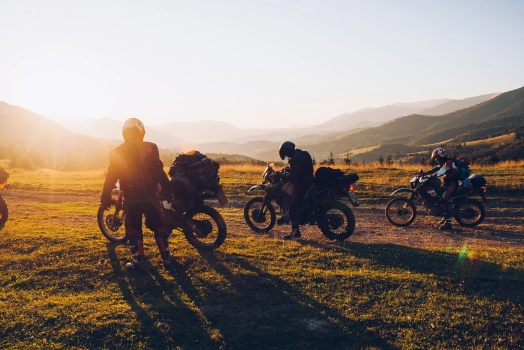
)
(168, 197)
(106, 201)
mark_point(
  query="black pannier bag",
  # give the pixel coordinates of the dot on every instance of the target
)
(477, 181)
(192, 172)
(326, 177)
(4, 175)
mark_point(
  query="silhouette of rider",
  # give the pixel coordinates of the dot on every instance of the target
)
(447, 167)
(137, 165)
(301, 176)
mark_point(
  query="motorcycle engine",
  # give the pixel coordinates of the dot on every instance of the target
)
(432, 206)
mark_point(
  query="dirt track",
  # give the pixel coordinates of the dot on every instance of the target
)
(502, 227)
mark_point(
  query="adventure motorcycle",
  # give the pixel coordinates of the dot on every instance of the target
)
(322, 206)
(3, 208)
(202, 225)
(402, 211)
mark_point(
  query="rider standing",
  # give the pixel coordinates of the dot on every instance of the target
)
(447, 167)
(137, 165)
(301, 176)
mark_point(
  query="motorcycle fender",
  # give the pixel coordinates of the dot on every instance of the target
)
(257, 187)
(400, 190)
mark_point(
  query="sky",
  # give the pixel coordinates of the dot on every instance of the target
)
(252, 63)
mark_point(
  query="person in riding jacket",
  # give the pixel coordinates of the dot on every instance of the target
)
(301, 176)
(137, 166)
(445, 167)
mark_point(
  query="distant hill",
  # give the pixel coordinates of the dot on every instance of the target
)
(32, 140)
(455, 105)
(374, 115)
(418, 129)
(111, 129)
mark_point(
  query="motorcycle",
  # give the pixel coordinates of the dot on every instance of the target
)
(401, 211)
(202, 225)
(3, 207)
(322, 206)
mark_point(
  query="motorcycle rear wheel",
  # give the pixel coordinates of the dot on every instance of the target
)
(470, 213)
(111, 226)
(3, 212)
(209, 228)
(336, 221)
(401, 212)
(256, 219)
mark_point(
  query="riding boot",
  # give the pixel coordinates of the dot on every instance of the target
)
(447, 221)
(163, 248)
(137, 249)
(295, 233)
(285, 219)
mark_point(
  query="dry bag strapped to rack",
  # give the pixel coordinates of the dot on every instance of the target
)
(192, 172)
(4, 175)
(327, 177)
(331, 180)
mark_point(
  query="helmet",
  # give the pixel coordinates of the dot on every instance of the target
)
(439, 155)
(287, 149)
(133, 128)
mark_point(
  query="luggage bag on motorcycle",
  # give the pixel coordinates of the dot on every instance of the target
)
(4, 175)
(477, 180)
(200, 170)
(327, 177)
(192, 172)
(472, 183)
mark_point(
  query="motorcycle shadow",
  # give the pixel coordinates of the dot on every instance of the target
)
(274, 313)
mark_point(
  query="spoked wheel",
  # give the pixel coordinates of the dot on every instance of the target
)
(259, 217)
(207, 227)
(111, 223)
(336, 221)
(401, 212)
(3, 212)
(470, 213)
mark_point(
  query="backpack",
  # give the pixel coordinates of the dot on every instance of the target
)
(463, 168)
(4, 175)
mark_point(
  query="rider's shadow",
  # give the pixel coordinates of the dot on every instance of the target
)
(163, 319)
(260, 310)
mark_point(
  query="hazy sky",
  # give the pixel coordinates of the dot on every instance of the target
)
(252, 63)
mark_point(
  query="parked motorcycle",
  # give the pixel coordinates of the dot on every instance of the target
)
(402, 211)
(4, 213)
(322, 206)
(202, 225)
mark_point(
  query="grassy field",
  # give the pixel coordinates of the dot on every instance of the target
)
(63, 285)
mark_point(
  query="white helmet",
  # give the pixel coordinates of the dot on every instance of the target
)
(133, 128)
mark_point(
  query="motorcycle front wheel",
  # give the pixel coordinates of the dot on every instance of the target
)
(259, 217)
(336, 221)
(401, 212)
(207, 228)
(3, 212)
(470, 213)
(111, 224)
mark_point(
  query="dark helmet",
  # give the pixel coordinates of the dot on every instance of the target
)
(287, 149)
(439, 155)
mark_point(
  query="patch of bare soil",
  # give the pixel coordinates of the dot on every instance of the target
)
(500, 228)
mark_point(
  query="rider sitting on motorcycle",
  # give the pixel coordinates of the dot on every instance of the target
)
(301, 176)
(447, 167)
(137, 165)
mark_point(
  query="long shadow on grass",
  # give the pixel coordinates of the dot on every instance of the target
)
(464, 270)
(260, 310)
(165, 321)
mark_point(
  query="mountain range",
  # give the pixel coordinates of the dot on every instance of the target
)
(361, 134)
